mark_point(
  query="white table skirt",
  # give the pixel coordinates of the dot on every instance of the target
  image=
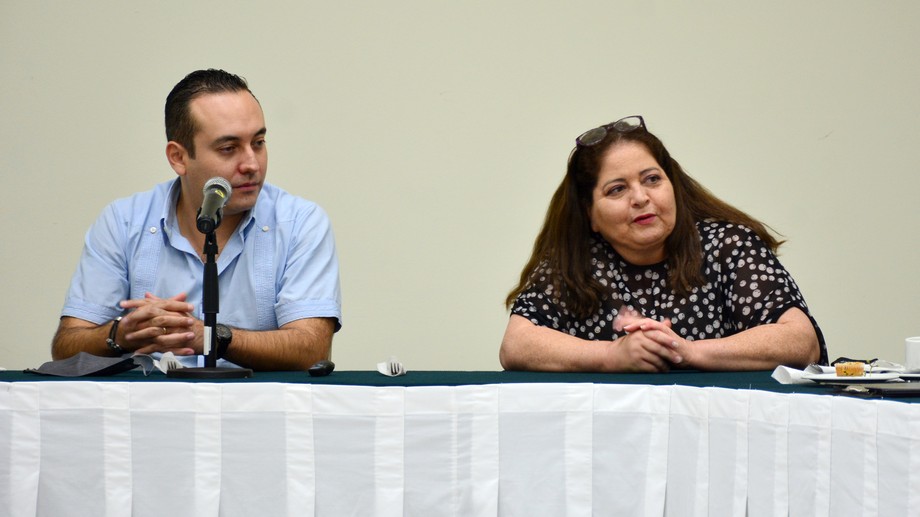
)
(210, 449)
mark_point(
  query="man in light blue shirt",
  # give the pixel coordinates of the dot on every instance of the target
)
(138, 286)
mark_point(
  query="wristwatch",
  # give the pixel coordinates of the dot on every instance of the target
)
(224, 337)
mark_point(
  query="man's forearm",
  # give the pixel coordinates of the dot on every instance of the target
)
(296, 346)
(74, 336)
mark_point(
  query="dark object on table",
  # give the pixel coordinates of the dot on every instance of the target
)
(321, 368)
(84, 364)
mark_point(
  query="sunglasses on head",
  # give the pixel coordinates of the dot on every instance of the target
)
(596, 135)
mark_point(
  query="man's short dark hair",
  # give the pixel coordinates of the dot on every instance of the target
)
(180, 125)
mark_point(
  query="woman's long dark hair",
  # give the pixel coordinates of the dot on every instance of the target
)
(562, 247)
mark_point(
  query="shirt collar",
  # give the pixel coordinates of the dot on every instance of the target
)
(168, 214)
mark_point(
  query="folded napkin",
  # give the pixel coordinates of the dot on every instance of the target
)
(166, 362)
(391, 367)
(787, 375)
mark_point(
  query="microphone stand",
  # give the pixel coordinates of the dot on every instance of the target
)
(211, 300)
(211, 303)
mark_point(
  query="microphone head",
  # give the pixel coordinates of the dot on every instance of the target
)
(218, 182)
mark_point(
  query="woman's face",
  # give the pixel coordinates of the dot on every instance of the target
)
(633, 205)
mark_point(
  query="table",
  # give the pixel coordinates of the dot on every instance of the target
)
(452, 444)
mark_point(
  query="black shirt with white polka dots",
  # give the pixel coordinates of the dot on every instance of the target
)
(746, 286)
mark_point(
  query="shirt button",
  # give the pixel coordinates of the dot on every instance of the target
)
(265, 228)
(153, 229)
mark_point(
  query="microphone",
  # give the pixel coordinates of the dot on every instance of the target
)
(216, 194)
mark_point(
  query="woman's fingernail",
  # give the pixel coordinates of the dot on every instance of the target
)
(678, 359)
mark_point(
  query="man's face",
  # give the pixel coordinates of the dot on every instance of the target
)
(230, 143)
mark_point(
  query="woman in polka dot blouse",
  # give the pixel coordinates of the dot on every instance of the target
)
(640, 268)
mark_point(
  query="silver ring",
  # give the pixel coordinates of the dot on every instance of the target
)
(164, 331)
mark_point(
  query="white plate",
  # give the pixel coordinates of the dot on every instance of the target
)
(852, 379)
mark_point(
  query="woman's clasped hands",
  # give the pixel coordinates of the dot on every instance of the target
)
(648, 346)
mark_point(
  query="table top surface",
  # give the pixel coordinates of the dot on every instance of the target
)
(755, 380)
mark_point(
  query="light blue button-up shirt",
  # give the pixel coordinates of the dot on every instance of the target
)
(279, 266)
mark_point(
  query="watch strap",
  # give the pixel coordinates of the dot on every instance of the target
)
(224, 338)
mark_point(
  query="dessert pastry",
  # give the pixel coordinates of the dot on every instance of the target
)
(853, 369)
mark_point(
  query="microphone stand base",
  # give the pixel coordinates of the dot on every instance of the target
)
(209, 372)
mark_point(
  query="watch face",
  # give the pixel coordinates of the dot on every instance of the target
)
(224, 333)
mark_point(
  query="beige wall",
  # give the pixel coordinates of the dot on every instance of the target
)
(434, 133)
